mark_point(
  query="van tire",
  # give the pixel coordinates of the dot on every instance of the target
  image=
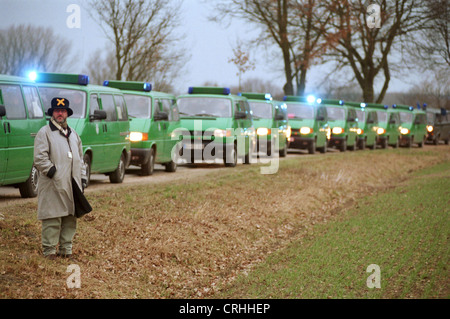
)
(324, 149)
(362, 145)
(171, 167)
(87, 163)
(312, 147)
(343, 146)
(148, 168)
(118, 175)
(283, 152)
(29, 188)
(233, 156)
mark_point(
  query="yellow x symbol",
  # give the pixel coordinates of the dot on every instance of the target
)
(60, 101)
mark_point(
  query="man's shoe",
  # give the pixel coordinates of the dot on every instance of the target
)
(50, 256)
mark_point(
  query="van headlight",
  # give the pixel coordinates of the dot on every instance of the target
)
(262, 131)
(306, 130)
(404, 131)
(381, 131)
(138, 136)
(337, 130)
(430, 128)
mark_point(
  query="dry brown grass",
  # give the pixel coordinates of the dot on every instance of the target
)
(180, 240)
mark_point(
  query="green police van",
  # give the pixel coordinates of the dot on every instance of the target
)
(387, 128)
(343, 125)
(99, 117)
(438, 125)
(367, 125)
(413, 125)
(308, 122)
(216, 124)
(154, 117)
(21, 117)
(270, 122)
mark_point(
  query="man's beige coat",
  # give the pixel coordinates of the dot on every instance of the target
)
(52, 148)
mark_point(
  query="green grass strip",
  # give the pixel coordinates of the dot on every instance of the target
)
(404, 231)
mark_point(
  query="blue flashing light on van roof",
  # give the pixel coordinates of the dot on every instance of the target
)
(363, 104)
(209, 90)
(64, 78)
(129, 85)
(32, 75)
(311, 98)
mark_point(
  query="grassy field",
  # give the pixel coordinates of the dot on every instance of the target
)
(308, 231)
(404, 231)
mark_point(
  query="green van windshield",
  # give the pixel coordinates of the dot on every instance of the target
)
(335, 113)
(382, 116)
(300, 111)
(361, 115)
(406, 117)
(261, 110)
(139, 106)
(204, 106)
(76, 98)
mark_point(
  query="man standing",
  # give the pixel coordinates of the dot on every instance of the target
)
(58, 156)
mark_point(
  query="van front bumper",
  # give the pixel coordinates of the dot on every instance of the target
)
(139, 156)
(300, 142)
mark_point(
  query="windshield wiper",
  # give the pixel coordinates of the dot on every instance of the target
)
(205, 114)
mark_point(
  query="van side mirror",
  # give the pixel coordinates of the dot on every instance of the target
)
(98, 115)
(161, 116)
(279, 117)
(2, 110)
(240, 115)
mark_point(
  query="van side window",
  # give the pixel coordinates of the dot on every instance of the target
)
(166, 107)
(109, 107)
(33, 102)
(121, 109)
(13, 101)
(93, 104)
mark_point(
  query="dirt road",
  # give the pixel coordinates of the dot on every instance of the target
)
(11, 195)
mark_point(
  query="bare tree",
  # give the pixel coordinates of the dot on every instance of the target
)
(143, 35)
(241, 60)
(296, 27)
(429, 47)
(24, 48)
(366, 48)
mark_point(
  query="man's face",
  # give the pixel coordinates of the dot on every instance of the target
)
(60, 115)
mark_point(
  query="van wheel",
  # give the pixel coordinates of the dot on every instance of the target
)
(343, 147)
(384, 144)
(29, 188)
(147, 168)
(87, 163)
(283, 152)
(362, 145)
(312, 147)
(324, 149)
(119, 174)
(171, 167)
(421, 143)
(232, 156)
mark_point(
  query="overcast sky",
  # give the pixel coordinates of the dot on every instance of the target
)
(209, 44)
